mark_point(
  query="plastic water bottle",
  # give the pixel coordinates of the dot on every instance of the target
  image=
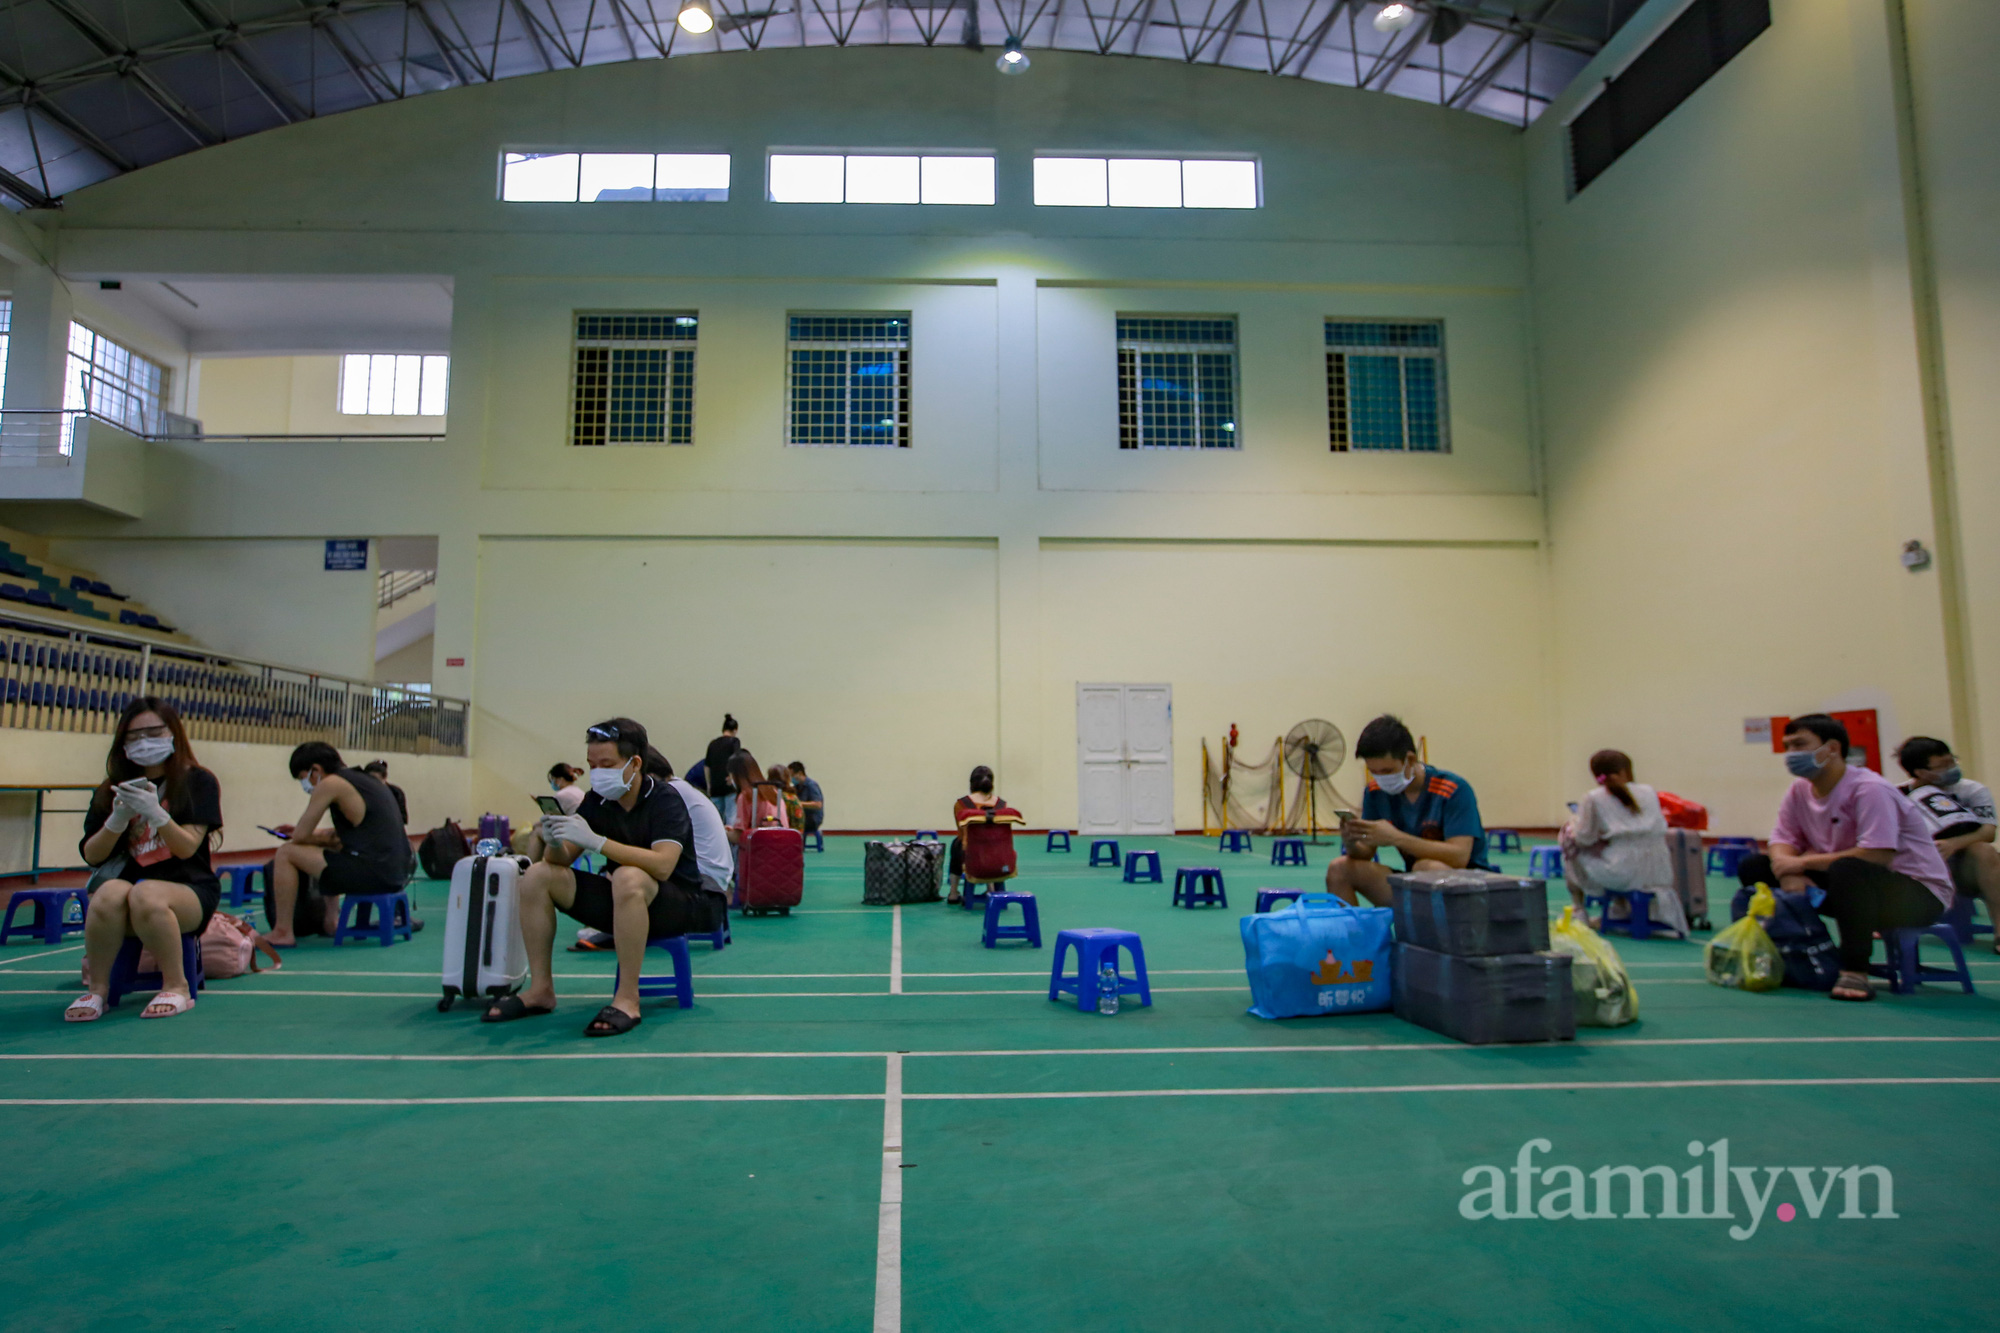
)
(488, 847)
(1107, 988)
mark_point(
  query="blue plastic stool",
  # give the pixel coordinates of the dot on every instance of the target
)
(719, 938)
(929, 833)
(1546, 862)
(1199, 886)
(969, 896)
(236, 880)
(680, 985)
(1269, 898)
(1959, 918)
(1094, 946)
(1104, 852)
(1143, 868)
(1236, 840)
(1502, 840)
(1288, 851)
(390, 913)
(1727, 855)
(47, 921)
(815, 841)
(1639, 925)
(1030, 928)
(1906, 971)
(126, 978)
(1053, 835)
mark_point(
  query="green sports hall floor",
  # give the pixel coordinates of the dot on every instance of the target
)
(321, 1149)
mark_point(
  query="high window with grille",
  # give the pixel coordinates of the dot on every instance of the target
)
(1385, 386)
(848, 380)
(634, 378)
(114, 382)
(1176, 382)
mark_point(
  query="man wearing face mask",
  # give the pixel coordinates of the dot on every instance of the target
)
(653, 886)
(366, 850)
(1961, 818)
(1844, 829)
(1429, 815)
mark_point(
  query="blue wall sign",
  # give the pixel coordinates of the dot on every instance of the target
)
(347, 553)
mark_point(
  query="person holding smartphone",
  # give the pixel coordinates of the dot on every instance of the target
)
(1429, 815)
(148, 831)
(366, 851)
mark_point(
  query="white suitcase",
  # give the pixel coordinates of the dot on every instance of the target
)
(483, 951)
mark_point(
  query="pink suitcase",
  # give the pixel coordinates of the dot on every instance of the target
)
(771, 872)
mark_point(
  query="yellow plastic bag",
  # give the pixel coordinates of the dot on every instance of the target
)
(1605, 997)
(1741, 955)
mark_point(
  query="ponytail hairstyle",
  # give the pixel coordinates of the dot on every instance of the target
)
(743, 768)
(656, 765)
(1613, 771)
(981, 780)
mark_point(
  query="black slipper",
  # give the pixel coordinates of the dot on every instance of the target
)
(611, 1021)
(510, 1007)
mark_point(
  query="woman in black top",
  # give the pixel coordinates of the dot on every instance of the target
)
(156, 814)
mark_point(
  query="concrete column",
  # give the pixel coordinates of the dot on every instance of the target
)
(38, 346)
(1018, 559)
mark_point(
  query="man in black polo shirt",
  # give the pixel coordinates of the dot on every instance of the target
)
(640, 825)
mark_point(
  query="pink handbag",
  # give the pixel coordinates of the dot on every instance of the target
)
(230, 945)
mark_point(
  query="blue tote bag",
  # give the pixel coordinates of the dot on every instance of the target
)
(1319, 956)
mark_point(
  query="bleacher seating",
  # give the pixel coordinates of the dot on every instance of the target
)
(45, 586)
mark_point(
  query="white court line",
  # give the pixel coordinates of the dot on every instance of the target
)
(1575, 1086)
(895, 988)
(1619, 1085)
(46, 953)
(889, 1213)
(281, 992)
(1330, 1048)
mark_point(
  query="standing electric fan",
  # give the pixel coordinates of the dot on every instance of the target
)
(1313, 750)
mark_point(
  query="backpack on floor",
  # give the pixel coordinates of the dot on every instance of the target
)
(442, 848)
(1812, 962)
(308, 911)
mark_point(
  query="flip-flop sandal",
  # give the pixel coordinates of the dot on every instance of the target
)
(84, 1009)
(175, 1004)
(1855, 994)
(611, 1021)
(510, 1007)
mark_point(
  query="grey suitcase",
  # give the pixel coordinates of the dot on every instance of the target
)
(1482, 1000)
(1690, 862)
(1471, 912)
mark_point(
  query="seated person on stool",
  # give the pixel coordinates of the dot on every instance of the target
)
(640, 825)
(712, 854)
(811, 799)
(1960, 812)
(978, 799)
(1846, 829)
(562, 782)
(1429, 815)
(366, 851)
(155, 813)
(1617, 839)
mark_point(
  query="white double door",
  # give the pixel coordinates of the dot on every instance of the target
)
(1125, 758)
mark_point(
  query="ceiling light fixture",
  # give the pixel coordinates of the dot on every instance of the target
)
(1394, 18)
(696, 18)
(1013, 60)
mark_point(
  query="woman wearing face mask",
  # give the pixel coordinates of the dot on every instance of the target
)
(1617, 839)
(978, 798)
(1844, 829)
(150, 825)
(563, 782)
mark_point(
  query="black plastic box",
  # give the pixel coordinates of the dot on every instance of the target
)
(1494, 998)
(1471, 912)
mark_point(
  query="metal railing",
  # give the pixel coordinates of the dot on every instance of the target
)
(39, 437)
(393, 585)
(61, 677)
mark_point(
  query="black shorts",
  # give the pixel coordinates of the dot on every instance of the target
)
(673, 911)
(345, 874)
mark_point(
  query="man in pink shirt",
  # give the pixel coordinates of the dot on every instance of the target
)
(1849, 831)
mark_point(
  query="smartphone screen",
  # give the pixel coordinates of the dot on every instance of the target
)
(549, 805)
(1345, 816)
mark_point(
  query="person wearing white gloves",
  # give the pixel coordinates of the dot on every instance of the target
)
(640, 825)
(147, 835)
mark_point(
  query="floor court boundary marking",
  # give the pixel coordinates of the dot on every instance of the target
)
(1350, 1048)
(889, 1212)
(896, 1096)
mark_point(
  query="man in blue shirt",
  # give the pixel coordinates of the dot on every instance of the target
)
(1429, 815)
(811, 799)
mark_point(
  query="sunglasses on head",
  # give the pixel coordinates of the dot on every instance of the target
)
(604, 733)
